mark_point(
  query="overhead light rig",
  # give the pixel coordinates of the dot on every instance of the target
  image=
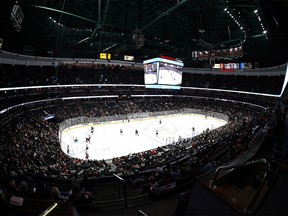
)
(260, 20)
(232, 13)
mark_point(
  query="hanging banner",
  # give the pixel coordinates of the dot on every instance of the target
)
(201, 55)
(196, 55)
(218, 54)
(240, 51)
(224, 53)
(231, 53)
(212, 55)
(206, 55)
(236, 52)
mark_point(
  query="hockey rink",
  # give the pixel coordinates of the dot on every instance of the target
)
(107, 142)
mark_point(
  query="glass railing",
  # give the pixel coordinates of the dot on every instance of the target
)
(116, 118)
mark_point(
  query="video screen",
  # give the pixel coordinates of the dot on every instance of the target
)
(150, 73)
(169, 74)
(162, 72)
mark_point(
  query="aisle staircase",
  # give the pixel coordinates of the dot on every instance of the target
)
(111, 197)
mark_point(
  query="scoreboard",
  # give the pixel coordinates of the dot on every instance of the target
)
(163, 71)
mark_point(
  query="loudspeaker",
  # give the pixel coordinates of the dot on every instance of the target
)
(138, 39)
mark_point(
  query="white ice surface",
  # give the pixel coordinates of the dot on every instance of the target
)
(106, 142)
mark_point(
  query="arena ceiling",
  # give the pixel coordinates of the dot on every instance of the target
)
(84, 28)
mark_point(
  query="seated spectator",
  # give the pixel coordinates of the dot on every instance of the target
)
(136, 180)
(55, 194)
(78, 195)
(185, 176)
(146, 187)
(87, 185)
(24, 189)
(81, 200)
(207, 166)
(12, 187)
(174, 172)
(158, 173)
(166, 184)
(166, 179)
(43, 191)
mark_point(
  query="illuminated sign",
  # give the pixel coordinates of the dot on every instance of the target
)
(128, 58)
(105, 56)
(216, 66)
(167, 57)
(229, 67)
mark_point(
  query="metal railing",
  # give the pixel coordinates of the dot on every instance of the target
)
(141, 213)
(262, 160)
(247, 210)
(49, 210)
(118, 180)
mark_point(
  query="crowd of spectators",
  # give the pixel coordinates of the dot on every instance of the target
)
(16, 76)
(31, 144)
(30, 147)
(238, 83)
